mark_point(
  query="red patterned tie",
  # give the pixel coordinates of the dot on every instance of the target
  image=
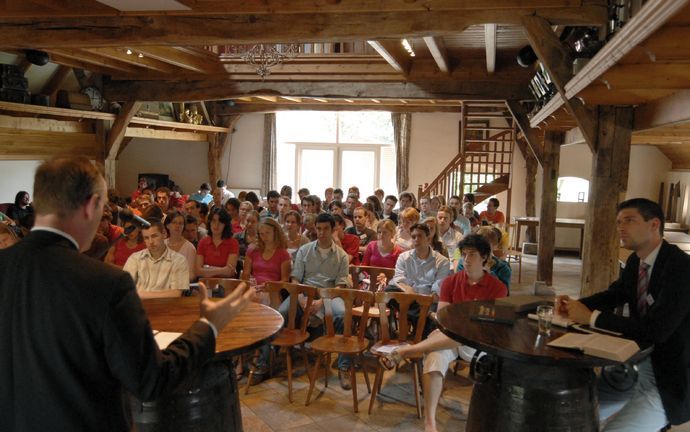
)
(642, 284)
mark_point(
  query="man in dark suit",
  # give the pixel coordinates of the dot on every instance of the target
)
(73, 333)
(656, 286)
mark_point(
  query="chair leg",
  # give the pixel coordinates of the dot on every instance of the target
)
(288, 358)
(328, 368)
(377, 387)
(251, 373)
(305, 358)
(312, 381)
(353, 383)
(520, 270)
(364, 370)
(415, 386)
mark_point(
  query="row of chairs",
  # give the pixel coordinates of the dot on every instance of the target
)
(359, 304)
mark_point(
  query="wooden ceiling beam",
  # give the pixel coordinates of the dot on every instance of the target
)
(268, 108)
(180, 58)
(225, 7)
(668, 111)
(648, 76)
(438, 51)
(490, 47)
(218, 90)
(119, 128)
(272, 28)
(51, 87)
(121, 55)
(95, 59)
(532, 136)
(394, 54)
(558, 62)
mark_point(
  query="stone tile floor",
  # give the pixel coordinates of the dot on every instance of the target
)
(266, 407)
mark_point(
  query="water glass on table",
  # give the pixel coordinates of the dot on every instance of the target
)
(545, 316)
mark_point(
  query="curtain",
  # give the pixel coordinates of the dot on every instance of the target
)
(402, 128)
(268, 168)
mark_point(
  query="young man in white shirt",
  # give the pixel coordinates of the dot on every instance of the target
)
(158, 271)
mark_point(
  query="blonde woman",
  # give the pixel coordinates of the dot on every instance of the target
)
(175, 225)
(383, 252)
(268, 259)
(293, 225)
(408, 217)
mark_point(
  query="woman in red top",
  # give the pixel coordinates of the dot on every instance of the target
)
(216, 255)
(471, 283)
(126, 246)
(383, 252)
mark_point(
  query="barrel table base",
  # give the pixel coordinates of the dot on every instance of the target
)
(519, 396)
(209, 404)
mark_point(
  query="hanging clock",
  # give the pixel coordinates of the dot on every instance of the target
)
(97, 101)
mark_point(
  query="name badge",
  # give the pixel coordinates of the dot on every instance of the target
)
(650, 300)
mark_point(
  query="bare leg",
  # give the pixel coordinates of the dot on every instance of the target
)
(435, 342)
(432, 383)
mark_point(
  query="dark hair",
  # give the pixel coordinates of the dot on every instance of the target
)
(196, 203)
(391, 197)
(454, 196)
(335, 203)
(338, 191)
(220, 183)
(152, 212)
(164, 189)
(648, 210)
(286, 190)
(449, 210)
(470, 197)
(495, 201)
(203, 209)
(19, 197)
(205, 186)
(376, 202)
(421, 227)
(309, 198)
(325, 217)
(63, 184)
(407, 195)
(478, 242)
(303, 191)
(224, 218)
(234, 202)
(155, 222)
(272, 194)
(170, 217)
(298, 217)
(353, 195)
(339, 220)
(191, 220)
(252, 198)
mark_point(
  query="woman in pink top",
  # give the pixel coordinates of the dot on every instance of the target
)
(268, 260)
(383, 252)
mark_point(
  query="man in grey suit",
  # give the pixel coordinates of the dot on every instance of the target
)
(73, 333)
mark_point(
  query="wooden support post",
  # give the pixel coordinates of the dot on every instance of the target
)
(547, 219)
(115, 139)
(608, 185)
(216, 145)
(530, 195)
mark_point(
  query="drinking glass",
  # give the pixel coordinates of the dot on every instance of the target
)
(545, 315)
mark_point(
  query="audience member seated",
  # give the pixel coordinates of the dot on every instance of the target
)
(293, 231)
(203, 195)
(436, 202)
(143, 184)
(470, 214)
(303, 193)
(492, 215)
(469, 198)
(473, 283)
(99, 247)
(157, 271)
(191, 232)
(25, 223)
(106, 228)
(406, 201)
(232, 206)
(378, 193)
(308, 205)
(163, 199)
(327, 196)
(420, 271)
(152, 212)
(271, 210)
(7, 236)
(245, 207)
(371, 216)
(309, 226)
(408, 217)
(388, 206)
(131, 242)
(351, 203)
(338, 194)
(364, 234)
(253, 198)
(21, 206)
(143, 202)
(383, 252)
(461, 222)
(177, 199)
(425, 208)
(247, 237)
(226, 194)
(322, 264)
(217, 195)
(175, 224)
(434, 240)
(217, 253)
(494, 265)
(337, 207)
(349, 242)
(376, 205)
(284, 207)
(450, 236)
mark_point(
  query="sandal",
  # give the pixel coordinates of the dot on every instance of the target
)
(391, 360)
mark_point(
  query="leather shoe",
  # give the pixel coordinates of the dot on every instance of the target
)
(344, 375)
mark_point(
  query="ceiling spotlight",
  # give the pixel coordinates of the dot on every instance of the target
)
(128, 52)
(140, 55)
(408, 47)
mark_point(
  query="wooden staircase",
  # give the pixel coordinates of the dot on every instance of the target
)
(483, 165)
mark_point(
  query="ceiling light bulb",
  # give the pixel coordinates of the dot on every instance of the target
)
(129, 51)
(140, 55)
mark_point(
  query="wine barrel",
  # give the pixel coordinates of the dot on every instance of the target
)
(210, 403)
(520, 396)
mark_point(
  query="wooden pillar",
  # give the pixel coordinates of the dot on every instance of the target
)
(530, 195)
(606, 190)
(547, 219)
(216, 145)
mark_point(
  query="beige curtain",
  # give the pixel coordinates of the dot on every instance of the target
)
(268, 168)
(402, 128)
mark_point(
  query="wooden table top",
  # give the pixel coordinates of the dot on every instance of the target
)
(256, 325)
(526, 220)
(519, 342)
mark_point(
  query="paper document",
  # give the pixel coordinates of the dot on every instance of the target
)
(557, 320)
(163, 339)
(387, 349)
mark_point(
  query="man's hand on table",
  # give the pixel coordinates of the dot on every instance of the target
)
(573, 309)
(220, 313)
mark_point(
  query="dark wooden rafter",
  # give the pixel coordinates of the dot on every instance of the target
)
(547, 219)
(216, 146)
(558, 62)
(119, 128)
(54, 83)
(531, 135)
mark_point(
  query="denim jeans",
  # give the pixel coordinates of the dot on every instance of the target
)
(338, 306)
(638, 409)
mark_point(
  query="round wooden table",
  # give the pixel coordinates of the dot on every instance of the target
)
(525, 385)
(210, 402)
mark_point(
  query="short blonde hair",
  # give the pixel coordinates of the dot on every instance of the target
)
(279, 237)
(387, 225)
(410, 214)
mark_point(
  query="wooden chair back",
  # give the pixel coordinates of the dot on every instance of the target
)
(350, 297)
(404, 300)
(275, 289)
(512, 237)
(226, 285)
(373, 272)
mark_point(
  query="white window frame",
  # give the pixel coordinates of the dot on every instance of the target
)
(337, 152)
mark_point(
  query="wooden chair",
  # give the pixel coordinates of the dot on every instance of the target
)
(220, 287)
(294, 333)
(406, 335)
(373, 273)
(347, 343)
(514, 252)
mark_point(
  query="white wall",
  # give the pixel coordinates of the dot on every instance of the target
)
(241, 163)
(16, 176)
(648, 168)
(186, 162)
(434, 142)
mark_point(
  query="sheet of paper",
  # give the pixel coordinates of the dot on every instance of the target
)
(165, 338)
(387, 349)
